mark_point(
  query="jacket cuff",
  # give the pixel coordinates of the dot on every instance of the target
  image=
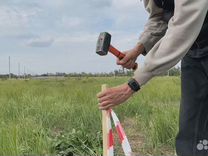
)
(142, 77)
(146, 42)
(144, 53)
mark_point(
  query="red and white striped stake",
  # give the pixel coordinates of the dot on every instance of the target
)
(108, 140)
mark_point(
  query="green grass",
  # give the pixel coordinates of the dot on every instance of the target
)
(61, 117)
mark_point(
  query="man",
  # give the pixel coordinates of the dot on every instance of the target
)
(175, 31)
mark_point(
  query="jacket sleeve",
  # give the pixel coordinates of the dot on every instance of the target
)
(183, 29)
(155, 28)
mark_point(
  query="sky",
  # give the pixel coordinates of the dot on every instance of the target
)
(60, 35)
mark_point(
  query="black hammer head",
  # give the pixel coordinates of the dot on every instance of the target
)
(103, 43)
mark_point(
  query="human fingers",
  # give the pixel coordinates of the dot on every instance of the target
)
(106, 107)
(123, 60)
(104, 98)
(130, 65)
(101, 94)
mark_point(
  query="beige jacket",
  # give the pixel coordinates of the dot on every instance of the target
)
(164, 44)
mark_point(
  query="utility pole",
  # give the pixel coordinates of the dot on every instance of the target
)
(9, 68)
(24, 73)
(19, 70)
(123, 70)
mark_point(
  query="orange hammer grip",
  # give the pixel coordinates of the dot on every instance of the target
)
(116, 52)
(120, 55)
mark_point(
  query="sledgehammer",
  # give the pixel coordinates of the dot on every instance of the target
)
(103, 46)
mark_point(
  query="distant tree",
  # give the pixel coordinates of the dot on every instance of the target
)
(175, 71)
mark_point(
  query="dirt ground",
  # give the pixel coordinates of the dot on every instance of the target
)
(138, 141)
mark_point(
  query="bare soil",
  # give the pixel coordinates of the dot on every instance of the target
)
(137, 141)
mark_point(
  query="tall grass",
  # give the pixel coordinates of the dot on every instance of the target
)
(42, 117)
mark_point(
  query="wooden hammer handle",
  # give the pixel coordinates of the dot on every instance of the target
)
(120, 55)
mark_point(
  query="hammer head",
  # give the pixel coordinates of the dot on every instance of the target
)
(103, 43)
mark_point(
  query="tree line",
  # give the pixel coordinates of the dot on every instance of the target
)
(175, 71)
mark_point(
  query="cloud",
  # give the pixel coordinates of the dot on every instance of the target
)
(78, 38)
(70, 27)
(72, 22)
(40, 42)
(123, 4)
(15, 19)
(16, 16)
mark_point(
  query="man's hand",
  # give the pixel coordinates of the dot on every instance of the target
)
(131, 55)
(114, 96)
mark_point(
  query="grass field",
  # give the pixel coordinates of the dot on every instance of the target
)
(61, 117)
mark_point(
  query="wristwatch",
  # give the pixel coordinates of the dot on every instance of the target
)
(134, 85)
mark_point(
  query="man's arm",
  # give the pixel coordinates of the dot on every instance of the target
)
(155, 28)
(183, 29)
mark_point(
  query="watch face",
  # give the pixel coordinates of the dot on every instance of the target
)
(134, 85)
